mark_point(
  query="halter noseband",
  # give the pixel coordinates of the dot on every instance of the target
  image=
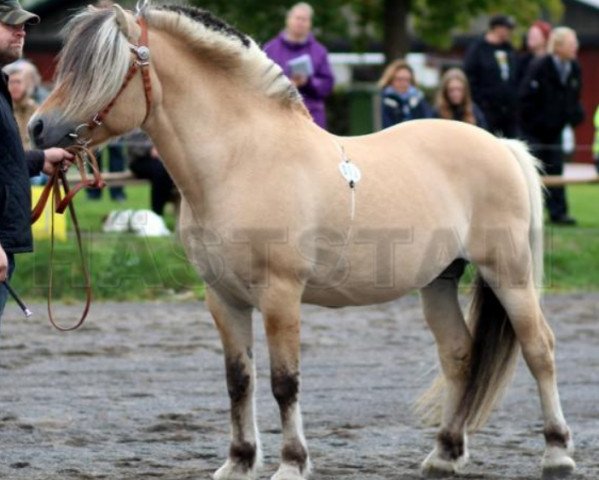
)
(141, 61)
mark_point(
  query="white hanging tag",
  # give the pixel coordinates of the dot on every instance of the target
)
(350, 172)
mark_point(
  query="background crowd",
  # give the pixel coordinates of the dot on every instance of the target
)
(532, 94)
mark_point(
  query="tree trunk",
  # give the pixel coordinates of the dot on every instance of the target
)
(396, 39)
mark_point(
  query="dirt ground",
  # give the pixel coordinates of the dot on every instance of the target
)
(139, 393)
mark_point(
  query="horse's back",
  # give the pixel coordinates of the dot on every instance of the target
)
(426, 186)
(448, 164)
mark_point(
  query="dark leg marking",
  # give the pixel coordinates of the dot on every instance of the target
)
(556, 438)
(238, 384)
(285, 387)
(295, 454)
(243, 454)
(452, 444)
(238, 380)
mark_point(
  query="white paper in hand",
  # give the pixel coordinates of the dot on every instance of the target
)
(301, 66)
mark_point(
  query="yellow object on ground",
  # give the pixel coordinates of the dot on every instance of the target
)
(43, 227)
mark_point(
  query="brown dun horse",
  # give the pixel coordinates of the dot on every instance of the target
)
(270, 221)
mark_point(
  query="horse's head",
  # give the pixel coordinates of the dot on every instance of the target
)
(99, 91)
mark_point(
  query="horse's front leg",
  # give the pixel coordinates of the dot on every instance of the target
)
(235, 327)
(280, 307)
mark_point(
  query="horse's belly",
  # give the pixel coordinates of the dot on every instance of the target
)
(368, 282)
(347, 296)
(377, 269)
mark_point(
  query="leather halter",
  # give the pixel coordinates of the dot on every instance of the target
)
(84, 156)
(140, 61)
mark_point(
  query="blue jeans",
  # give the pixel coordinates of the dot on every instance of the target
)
(3, 290)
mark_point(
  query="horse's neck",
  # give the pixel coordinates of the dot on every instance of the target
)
(211, 128)
(209, 145)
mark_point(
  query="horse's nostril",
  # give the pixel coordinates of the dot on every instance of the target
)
(38, 128)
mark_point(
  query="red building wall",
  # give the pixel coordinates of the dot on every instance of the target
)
(45, 63)
(589, 61)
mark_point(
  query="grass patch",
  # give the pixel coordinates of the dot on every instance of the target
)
(126, 267)
(122, 266)
(572, 253)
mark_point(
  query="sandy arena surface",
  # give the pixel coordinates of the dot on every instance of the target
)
(139, 393)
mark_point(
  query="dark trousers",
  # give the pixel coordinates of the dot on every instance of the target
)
(162, 186)
(3, 290)
(551, 155)
(116, 163)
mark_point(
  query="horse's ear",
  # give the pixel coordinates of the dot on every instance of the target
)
(126, 23)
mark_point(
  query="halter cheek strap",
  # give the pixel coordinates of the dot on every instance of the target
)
(141, 61)
(143, 56)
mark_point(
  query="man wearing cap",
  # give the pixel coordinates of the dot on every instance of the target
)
(490, 65)
(16, 165)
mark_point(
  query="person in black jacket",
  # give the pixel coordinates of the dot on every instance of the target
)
(549, 101)
(16, 165)
(490, 66)
(145, 162)
(537, 40)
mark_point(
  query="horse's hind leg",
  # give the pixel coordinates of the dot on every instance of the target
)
(444, 317)
(235, 327)
(280, 307)
(538, 342)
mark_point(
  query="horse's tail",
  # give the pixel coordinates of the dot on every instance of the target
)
(494, 345)
(530, 168)
(492, 361)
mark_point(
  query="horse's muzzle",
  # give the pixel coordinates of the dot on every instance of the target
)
(47, 131)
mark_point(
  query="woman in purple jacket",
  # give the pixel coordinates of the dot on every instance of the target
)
(304, 60)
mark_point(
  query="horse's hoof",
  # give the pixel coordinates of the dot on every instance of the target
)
(436, 471)
(436, 467)
(289, 472)
(231, 471)
(557, 462)
(556, 469)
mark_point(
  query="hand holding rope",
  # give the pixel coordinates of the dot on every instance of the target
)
(57, 184)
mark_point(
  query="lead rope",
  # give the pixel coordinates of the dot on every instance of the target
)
(83, 156)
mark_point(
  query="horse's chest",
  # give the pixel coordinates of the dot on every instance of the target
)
(222, 262)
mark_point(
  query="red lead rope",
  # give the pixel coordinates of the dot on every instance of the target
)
(83, 157)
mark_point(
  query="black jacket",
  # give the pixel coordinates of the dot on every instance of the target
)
(546, 104)
(525, 59)
(16, 167)
(396, 108)
(491, 71)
